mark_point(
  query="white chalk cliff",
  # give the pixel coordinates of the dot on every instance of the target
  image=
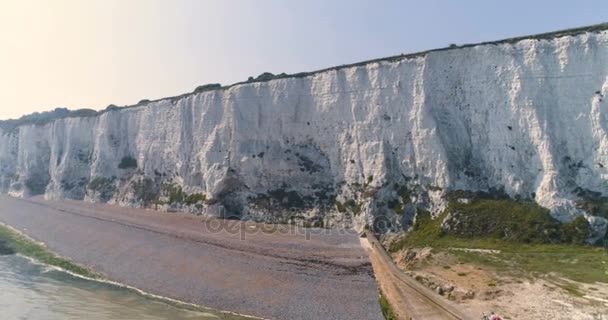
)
(527, 116)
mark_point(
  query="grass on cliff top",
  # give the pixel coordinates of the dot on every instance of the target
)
(576, 262)
(15, 242)
(582, 264)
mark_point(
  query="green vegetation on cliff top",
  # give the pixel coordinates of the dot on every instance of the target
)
(61, 113)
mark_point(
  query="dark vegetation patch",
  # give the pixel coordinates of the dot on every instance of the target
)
(594, 206)
(97, 183)
(145, 190)
(111, 108)
(491, 217)
(431, 187)
(6, 249)
(102, 187)
(282, 198)
(306, 164)
(42, 118)
(577, 262)
(37, 184)
(176, 195)
(17, 243)
(127, 162)
(572, 164)
(340, 206)
(396, 206)
(288, 199)
(173, 193)
(387, 310)
(267, 76)
(510, 220)
(403, 192)
(321, 196)
(71, 185)
(207, 87)
(195, 198)
(592, 202)
(353, 205)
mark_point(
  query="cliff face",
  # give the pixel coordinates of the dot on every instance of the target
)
(348, 145)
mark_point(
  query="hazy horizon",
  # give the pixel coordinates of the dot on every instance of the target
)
(92, 54)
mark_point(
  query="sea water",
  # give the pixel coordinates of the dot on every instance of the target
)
(32, 291)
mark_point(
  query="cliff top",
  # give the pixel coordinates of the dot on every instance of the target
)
(61, 113)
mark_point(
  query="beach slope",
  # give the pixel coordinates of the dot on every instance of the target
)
(251, 269)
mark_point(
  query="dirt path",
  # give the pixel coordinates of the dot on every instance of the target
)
(408, 298)
(228, 265)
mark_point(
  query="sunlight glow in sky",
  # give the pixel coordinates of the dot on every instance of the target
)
(89, 54)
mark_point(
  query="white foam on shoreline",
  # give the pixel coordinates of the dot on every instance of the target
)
(174, 302)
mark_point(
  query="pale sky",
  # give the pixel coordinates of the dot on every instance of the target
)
(89, 53)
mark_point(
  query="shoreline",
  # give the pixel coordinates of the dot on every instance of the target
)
(37, 251)
(75, 270)
(173, 256)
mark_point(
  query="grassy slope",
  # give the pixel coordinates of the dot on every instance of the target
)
(576, 262)
(21, 244)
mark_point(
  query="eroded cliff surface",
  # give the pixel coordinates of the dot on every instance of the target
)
(347, 145)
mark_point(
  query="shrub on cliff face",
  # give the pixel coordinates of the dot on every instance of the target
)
(195, 198)
(287, 199)
(97, 183)
(36, 185)
(145, 190)
(340, 206)
(176, 195)
(173, 193)
(127, 162)
(597, 207)
(396, 206)
(102, 187)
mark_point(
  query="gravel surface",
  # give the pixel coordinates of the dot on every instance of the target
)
(253, 269)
